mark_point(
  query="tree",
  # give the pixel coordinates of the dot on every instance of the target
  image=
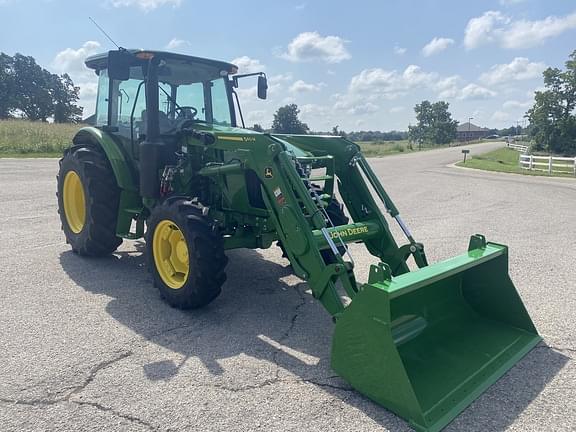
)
(32, 92)
(32, 88)
(6, 86)
(286, 121)
(65, 96)
(552, 118)
(435, 124)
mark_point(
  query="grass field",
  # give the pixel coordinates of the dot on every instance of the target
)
(386, 148)
(21, 138)
(383, 148)
(504, 160)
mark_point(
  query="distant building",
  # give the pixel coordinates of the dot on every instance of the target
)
(469, 131)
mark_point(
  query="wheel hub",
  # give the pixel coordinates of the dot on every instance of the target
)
(74, 202)
(170, 254)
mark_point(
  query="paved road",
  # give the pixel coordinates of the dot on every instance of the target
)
(87, 345)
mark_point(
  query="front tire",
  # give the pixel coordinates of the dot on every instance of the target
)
(88, 199)
(185, 255)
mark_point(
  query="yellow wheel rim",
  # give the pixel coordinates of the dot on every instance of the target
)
(170, 254)
(74, 202)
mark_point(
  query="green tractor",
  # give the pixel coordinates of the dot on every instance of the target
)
(167, 160)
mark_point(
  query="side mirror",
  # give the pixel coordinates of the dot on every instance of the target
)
(119, 63)
(262, 87)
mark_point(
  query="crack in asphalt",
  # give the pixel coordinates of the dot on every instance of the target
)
(277, 352)
(119, 414)
(274, 381)
(95, 370)
(74, 390)
(286, 334)
(67, 398)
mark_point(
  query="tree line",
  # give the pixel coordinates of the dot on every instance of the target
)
(435, 126)
(29, 91)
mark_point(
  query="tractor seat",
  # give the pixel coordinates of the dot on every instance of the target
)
(166, 125)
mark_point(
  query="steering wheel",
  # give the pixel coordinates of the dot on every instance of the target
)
(184, 112)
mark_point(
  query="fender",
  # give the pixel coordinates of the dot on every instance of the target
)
(130, 206)
(120, 165)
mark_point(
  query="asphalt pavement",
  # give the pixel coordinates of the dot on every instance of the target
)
(88, 345)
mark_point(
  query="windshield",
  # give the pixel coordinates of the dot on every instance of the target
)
(200, 101)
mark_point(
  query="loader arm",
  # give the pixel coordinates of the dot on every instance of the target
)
(297, 215)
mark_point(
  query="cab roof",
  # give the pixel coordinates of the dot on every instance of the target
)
(100, 61)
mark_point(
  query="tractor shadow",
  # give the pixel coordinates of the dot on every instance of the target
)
(266, 313)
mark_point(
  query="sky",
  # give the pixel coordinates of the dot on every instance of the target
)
(359, 65)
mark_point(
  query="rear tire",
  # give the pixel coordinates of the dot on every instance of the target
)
(186, 256)
(88, 199)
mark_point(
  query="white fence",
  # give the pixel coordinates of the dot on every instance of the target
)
(549, 164)
(518, 147)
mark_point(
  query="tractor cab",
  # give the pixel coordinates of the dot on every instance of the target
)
(150, 92)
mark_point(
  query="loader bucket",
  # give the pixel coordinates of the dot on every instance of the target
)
(425, 344)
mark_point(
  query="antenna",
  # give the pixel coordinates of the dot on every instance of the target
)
(105, 34)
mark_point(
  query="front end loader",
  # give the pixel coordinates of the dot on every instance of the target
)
(169, 160)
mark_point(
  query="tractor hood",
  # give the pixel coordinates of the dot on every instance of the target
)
(228, 133)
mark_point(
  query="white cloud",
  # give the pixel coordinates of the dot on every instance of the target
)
(363, 108)
(495, 27)
(248, 65)
(280, 78)
(513, 104)
(311, 46)
(255, 116)
(88, 91)
(474, 91)
(399, 50)
(517, 70)
(308, 111)
(436, 45)
(452, 87)
(500, 116)
(145, 5)
(397, 109)
(176, 44)
(304, 87)
(71, 61)
(353, 105)
(449, 87)
(390, 84)
(480, 30)
(525, 34)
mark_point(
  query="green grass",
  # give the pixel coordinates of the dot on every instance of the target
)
(386, 148)
(504, 160)
(22, 138)
(383, 148)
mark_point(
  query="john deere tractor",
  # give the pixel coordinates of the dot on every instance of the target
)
(169, 159)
